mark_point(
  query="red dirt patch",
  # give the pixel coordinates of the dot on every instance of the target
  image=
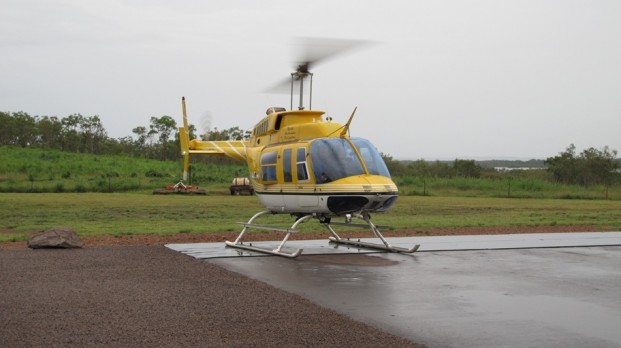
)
(148, 239)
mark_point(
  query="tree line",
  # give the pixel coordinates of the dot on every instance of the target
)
(591, 167)
(160, 140)
(437, 169)
(86, 134)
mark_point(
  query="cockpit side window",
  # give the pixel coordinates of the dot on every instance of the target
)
(333, 159)
(371, 157)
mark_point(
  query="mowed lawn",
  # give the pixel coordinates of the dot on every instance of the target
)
(144, 213)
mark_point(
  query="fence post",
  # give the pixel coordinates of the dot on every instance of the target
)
(509, 190)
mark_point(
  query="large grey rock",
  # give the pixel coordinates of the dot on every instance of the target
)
(58, 237)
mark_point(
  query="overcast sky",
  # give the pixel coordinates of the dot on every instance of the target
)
(445, 79)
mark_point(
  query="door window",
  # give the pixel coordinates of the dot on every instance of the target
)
(268, 166)
(286, 165)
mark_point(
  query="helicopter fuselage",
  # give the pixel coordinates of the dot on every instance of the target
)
(299, 163)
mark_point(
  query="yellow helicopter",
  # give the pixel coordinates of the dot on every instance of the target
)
(303, 164)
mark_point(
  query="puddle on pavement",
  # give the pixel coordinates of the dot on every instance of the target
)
(567, 313)
(349, 259)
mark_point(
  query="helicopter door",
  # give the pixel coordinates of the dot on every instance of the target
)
(270, 195)
(285, 178)
(303, 179)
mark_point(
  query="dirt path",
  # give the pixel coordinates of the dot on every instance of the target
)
(146, 239)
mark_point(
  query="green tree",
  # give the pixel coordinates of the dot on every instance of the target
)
(6, 129)
(591, 167)
(597, 166)
(162, 128)
(394, 167)
(141, 133)
(233, 133)
(419, 168)
(92, 134)
(70, 133)
(49, 130)
(466, 168)
(24, 130)
(440, 170)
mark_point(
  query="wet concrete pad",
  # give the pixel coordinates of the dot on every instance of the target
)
(562, 291)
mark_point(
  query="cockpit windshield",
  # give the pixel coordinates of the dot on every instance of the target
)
(371, 157)
(335, 158)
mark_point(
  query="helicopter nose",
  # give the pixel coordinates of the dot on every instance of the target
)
(340, 205)
(346, 204)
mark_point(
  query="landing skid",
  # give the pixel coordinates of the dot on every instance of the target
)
(367, 219)
(238, 243)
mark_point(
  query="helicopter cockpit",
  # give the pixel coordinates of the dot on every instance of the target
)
(336, 158)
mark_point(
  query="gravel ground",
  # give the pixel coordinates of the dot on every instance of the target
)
(131, 291)
(149, 296)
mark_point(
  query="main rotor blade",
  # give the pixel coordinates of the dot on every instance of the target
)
(311, 51)
(281, 87)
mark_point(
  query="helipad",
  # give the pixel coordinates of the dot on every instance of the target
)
(532, 290)
(427, 244)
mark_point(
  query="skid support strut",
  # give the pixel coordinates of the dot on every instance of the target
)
(367, 219)
(238, 243)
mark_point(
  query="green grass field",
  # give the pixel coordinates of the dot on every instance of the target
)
(43, 171)
(111, 195)
(143, 213)
(31, 170)
(504, 187)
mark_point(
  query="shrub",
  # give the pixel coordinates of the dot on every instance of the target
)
(152, 173)
(59, 187)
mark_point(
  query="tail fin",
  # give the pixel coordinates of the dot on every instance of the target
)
(184, 141)
(232, 149)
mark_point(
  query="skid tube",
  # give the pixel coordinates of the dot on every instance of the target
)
(238, 243)
(367, 218)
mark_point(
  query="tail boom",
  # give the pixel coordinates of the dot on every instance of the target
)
(234, 149)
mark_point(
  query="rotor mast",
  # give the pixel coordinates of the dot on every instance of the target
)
(300, 74)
